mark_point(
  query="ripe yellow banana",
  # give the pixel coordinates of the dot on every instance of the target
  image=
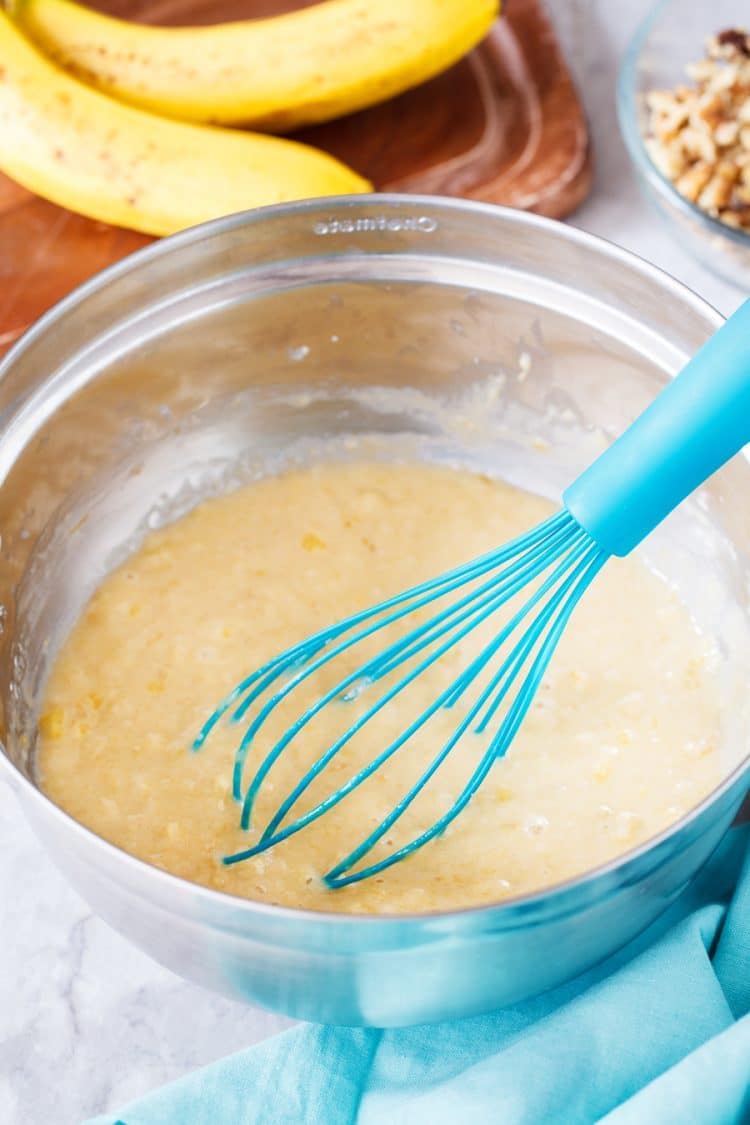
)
(276, 73)
(111, 162)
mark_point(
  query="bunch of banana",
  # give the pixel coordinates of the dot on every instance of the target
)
(111, 162)
(64, 136)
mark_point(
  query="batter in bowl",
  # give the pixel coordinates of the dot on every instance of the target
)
(620, 742)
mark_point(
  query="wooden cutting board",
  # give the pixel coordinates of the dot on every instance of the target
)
(504, 125)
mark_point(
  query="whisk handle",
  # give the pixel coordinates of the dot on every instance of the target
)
(699, 421)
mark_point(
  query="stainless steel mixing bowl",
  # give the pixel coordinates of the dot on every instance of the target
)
(441, 329)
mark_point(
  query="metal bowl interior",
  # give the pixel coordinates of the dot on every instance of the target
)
(656, 60)
(275, 338)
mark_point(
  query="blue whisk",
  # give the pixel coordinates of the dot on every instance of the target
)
(692, 428)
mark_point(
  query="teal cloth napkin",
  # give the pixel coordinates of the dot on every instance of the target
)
(660, 1033)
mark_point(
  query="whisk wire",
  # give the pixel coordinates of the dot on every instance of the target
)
(558, 546)
(445, 699)
(317, 640)
(565, 538)
(524, 569)
(337, 877)
(554, 540)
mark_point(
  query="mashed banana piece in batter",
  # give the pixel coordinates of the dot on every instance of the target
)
(620, 742)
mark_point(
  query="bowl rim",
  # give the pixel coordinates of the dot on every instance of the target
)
(627, 113)
(552, 900)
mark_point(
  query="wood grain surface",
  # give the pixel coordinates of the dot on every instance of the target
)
(504, 125)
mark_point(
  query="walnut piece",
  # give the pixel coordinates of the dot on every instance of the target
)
(699, 136)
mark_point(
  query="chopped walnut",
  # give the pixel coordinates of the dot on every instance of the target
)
(691, 183)
(699, 136)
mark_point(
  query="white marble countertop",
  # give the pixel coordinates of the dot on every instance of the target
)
(86, 1021)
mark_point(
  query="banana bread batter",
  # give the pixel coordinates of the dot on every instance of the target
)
(621, 740)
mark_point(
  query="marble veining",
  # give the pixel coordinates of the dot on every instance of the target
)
(86, 1021)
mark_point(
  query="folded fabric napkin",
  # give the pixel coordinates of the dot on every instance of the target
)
(659, 1033)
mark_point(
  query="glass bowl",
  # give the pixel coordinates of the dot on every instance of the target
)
(673, 35)
(261, 339)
